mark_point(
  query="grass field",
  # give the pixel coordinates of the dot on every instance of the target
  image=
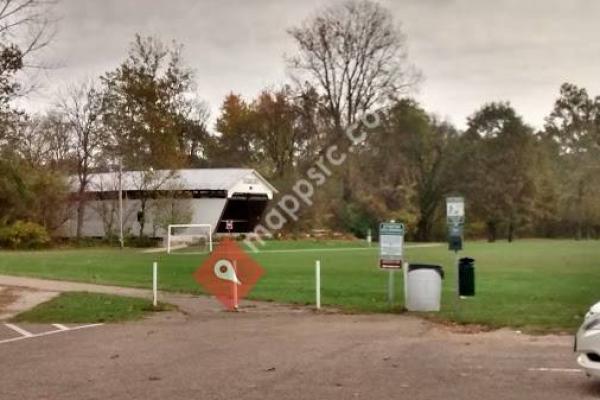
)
(534, 285)
(81, 307)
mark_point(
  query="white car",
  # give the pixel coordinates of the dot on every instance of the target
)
(587, 342)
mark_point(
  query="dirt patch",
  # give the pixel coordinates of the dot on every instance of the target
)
(7, 297)
(464, 329)
(15, 300)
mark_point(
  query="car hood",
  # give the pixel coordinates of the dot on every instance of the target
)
(594, 310)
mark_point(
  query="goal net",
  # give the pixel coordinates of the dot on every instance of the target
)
(190, 238)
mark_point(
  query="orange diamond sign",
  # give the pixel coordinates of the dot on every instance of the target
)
(229, 273)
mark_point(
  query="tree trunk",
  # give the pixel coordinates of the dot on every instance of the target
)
(511, 230)
(580, 192)
(424, 225)
(423, 231)
(492, 231)
(142, 220)
(80, 214)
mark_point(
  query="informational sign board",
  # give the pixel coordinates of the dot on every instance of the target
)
(229, 225)
(455, 210)
(455, 217)
(391, 245)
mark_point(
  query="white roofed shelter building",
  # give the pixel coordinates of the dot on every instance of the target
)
(187, 196)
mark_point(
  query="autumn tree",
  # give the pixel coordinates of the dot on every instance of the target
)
(286, 124)
(151, 109)
(30, 193)
(236, 142)
(498, 169)
(403, 168)
(574, 125)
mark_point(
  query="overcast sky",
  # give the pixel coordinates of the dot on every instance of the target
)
(470, 51)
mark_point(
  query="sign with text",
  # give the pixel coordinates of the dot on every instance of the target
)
(391, 244)
(455, 210)
(455, 217)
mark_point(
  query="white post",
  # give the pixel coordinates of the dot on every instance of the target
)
(369, 238)
(318, 283)
(210, 246)
(405, 272)
(235, 288)
(121, 238)
(457, 263)
(169, 240)
(155, 284)
(391, 286)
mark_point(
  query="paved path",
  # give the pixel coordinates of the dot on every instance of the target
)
(186, 302)
(65, 286)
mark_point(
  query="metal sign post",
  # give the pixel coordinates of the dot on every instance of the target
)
(391, 287)
(391, 252)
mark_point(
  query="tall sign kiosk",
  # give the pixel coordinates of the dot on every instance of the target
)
(391, 253)
(455, 219)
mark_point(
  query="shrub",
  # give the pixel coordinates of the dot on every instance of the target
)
(24, 235)
(142, 242)
(358, 220)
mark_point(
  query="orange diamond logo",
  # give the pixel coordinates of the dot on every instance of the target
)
(229, 274)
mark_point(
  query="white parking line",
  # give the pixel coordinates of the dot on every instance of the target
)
(61, 327)
(20, 331)
(28, 335)
(564, 370)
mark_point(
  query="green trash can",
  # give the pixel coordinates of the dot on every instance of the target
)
(466, 277)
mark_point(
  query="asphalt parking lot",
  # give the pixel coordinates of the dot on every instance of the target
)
(277, 352)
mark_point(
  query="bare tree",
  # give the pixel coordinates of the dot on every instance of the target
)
(40, 140)
(26, 28)
(194, 115)
(81, 107)
(57, 142)
(355, 56)
(172, 205)
(22, 136)
(107, 205)
(148, 183)
(28, 24)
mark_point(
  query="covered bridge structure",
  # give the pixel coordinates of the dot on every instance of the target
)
(158, 198)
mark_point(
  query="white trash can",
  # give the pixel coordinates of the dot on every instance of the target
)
(424, 287)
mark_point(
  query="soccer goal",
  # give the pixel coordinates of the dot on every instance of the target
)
(190, 238)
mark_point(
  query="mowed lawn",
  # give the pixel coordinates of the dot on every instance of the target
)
(81, 307)
(534, 285)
